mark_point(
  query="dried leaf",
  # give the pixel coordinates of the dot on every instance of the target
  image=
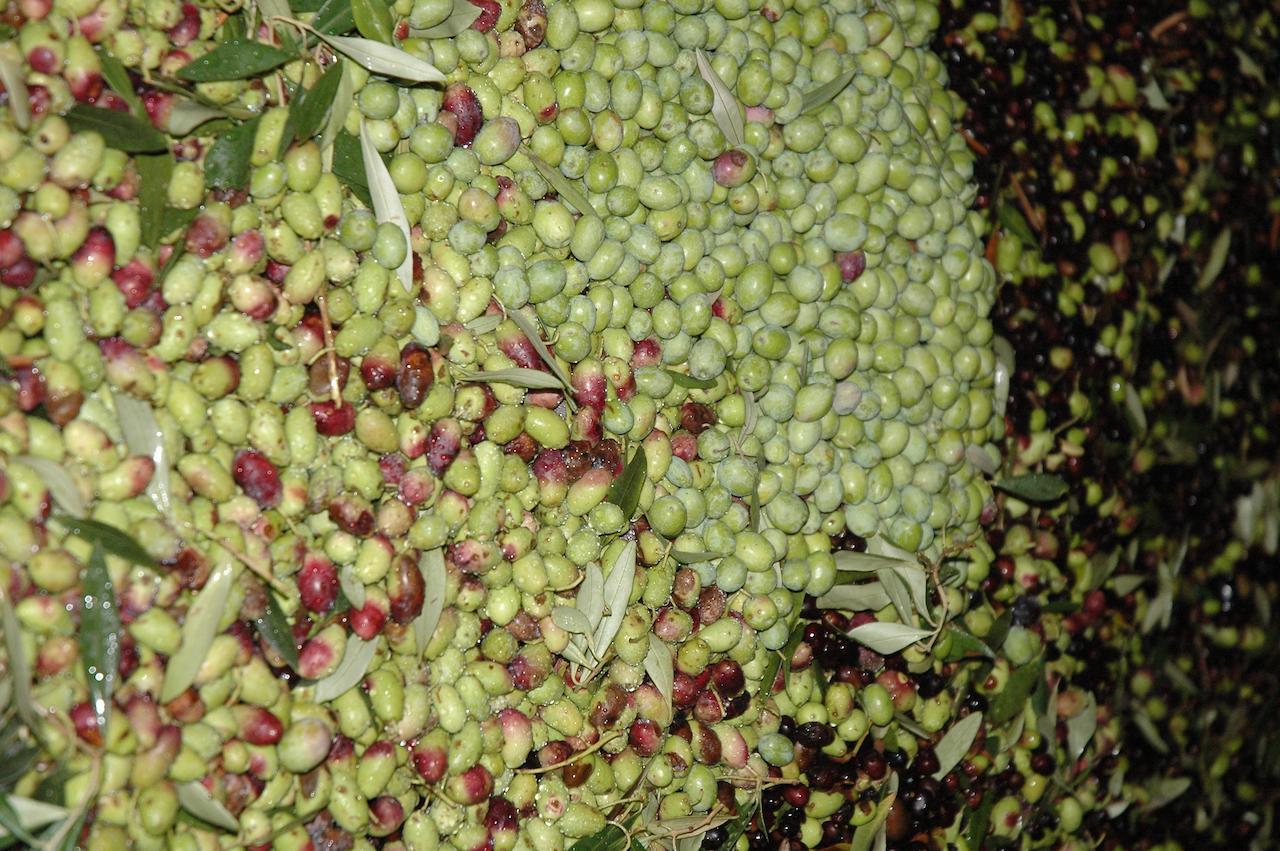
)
(274, 626)
(99, 635)
(198, 631)
(464, 14)
(626, 489)
(1081, 727)
(226, 166)
(387, 206)
(143, 437)
(15, 83)
(197, 800)
(112, 540)
(535, 339)
(952, 747)
(887, 638)
(617, 594)
(435, 579)
(234, 60)
(531, 379)
(117, 79)
(571, 620)
(563, 186)
(350, 671)
(1034, 487)
(725, 108)
(62, 489)
(658, 665)
(384, 59)
(820, 96)
(688, 381)
(867, 596)
(373, 19)
(18, 666)
(310, 106)
(1218, 254)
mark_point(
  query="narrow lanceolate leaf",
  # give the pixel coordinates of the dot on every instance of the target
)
(964, 644)
(609, 838)
(11, 67)
(1165, 791)
(530, 379)
(570, 620)
(564, 187)
(198, 631)
(1022, 682)
(1081, 727)
(1004, 371)
(685, 557)
(688, 381)
(866, 562)
(384, 59)
(187, 115)
(1135, 410)
(274, 626)
(952, 747)
(21, 815)
(866, 596)
(591, 594)
(1218, 253)
(626, 489)
(154, 171)
(343, 98)
(62, 489)
(530, 331)
(725, 108)
(373, 19)
(310, 106)
(119, 130)
(351, 586)
(1015, 224)
(617, 594)
(887, 638)
(435, 580)
(117, 79)
(896, 589)
(19, 669)
(658, 665)
(867, 834)
(333, 17)
(464, 14)
(196, 800)
(1034, 487)
(234, 60)
(112, 540)
(99, 635)
(348, 166)
(143, 437)
(350, 671)
(387, 206)
(226, 166)
(820, 96)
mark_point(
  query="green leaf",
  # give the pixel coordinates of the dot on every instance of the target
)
(965, 645)
(143, 436)
(1081, 727)
(1218, 254)
(861, 597)
(1034, 487)
(333, 17)
(886, 638)
(154, 171)
(16, 660)
(658, 665)
(13, 78)
(976, 831)
(274, 627)
(119, 130)
(226, 165)
(188, 114)
(117, 79)
(234, 60)
(373, 19)
(435, 578)
(343, 98)
(695, 557)
(999, 631)
(21, 815)
(379, 58)
(99, 635)
(348, 166)
(952, 747)
(196, 800)
(609, 838)
(570, 620)
(350, 671)
(564, 187)
(310, 106)
(463, 15)
(62, 489)
(688, 381)
(1021, 683)
(725, 109)
(617, 593)
(530, 332)
(198, 631)
(112, 540)
(626, 489)
(820, 96)
(530, 379)
(1015, 224)
(866, 833)
(776, 660)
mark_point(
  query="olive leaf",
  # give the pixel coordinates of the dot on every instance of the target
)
(976, 830)
(1134, 409)
(952, 747)
(426, 328)
(387, 206)
(62, 489)
(343, 98)
(373, 19)
(384, 59)
(117, 79)
(112, 540)
(435, 580)
(611, 837)
(1015, 224)
(725, 108)
(333, 17)
(350, 671)
(868, 833)
(685, 557)
(896, 590)
(688, 381)
(617, 594)
(820, 96)
(847, 560)
(866, 596)
(591, 594)
(1081, 727)
(1034, 487)
(564, 187)
(912, 578)
(530, 379)
(485, 324)
(198, 801)
(1004, 372)
(226, 165)
(99, 635)
(964, 644)
(626, 490)
(11, 75)
(19, 815)
(274, 627)
(154, 171)
(309, 107)
(19, 667)
(535, 339)
(658, 665)
(348, 166)
(234, 60)
(750, 413)
(198, 631)
(187, 115)
(1022, 682)
(571, 620)
(143, 436)
(463, 15)
(351, 586)
(119, 130)
(888, 638)
(1165, 790)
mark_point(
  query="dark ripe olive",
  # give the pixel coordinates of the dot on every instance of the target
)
(415, 378)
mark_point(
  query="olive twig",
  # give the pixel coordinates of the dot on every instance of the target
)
(577, 756)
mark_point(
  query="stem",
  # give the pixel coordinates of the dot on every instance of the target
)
(577, 756)
(334, 390)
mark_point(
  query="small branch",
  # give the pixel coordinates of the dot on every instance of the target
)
(334, 389)
(1033, 217)
(1168, 23)
(577, 756)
